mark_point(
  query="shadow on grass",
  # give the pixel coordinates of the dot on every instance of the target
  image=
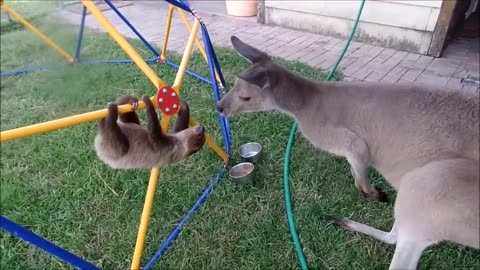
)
(10, 27)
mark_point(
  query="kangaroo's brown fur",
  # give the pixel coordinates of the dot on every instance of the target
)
(424, 141)
(122, 143)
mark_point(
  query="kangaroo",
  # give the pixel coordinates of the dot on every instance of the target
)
(424, 141)
(122, 143)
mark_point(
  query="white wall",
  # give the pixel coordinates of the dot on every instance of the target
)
(400, 24)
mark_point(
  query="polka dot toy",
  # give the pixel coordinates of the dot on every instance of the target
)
(167, 100)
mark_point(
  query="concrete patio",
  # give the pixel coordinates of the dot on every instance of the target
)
(457, 69)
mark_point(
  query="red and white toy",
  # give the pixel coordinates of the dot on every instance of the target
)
(167, 100)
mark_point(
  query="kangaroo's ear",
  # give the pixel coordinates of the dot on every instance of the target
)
(250, 53)
(257, 76)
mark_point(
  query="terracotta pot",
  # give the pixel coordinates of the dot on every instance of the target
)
(241, 8)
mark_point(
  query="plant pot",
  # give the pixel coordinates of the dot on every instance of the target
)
(241, 8)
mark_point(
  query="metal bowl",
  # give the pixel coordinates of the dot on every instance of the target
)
(250, 152)
(242, 173)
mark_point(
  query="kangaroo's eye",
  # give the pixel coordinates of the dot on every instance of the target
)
(245, 98)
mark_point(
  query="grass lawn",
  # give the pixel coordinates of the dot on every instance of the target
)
(54, 185)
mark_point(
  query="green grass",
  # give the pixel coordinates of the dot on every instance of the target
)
(54, 185)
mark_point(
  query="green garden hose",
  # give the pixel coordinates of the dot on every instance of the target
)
(286, 186)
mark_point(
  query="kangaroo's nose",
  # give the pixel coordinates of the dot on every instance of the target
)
(219, 108)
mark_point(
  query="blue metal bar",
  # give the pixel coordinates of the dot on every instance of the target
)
(223, 122)
(220, 74)
(80, 35)
(29, 69)
(219, 71)
(44, 244)
(176, 231)
(125, 20)
(209, 50)
(42, 68)
(214, 55)
(191, 73)
(117, 61)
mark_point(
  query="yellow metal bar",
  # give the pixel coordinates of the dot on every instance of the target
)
(177, 84)
(181, 70)
(197, 41)
(189, 27)
(167, 31)
(210, 142)
(147, 209)
(21, 132)
(137, 59)
(165, 122)
(181, 73)
(38, 33)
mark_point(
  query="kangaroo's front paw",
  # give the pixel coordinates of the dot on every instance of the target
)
(376, 194)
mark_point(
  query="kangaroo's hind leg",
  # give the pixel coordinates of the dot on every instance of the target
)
(129, 117)
(409, 246)
(437, 202)
(353, 226)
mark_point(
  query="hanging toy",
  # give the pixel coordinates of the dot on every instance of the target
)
(167, 100)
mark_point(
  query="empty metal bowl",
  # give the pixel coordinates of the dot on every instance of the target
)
(242, 173)
(250, 152)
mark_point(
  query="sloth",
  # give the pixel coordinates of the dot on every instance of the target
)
(123, 143)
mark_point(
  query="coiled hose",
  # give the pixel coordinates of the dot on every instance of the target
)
(286, 186)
